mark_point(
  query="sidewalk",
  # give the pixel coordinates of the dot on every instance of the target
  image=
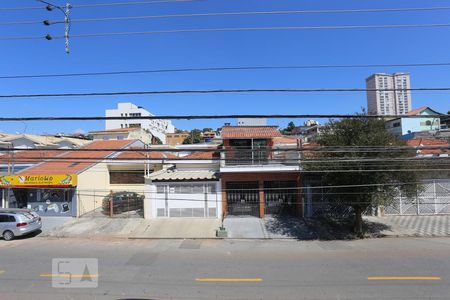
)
(414, 226)
(174, 228)
(251, 228)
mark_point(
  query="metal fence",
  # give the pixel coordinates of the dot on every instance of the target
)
(433, 199)
(115, 205)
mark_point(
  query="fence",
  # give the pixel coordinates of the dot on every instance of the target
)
(433, 199)
(114, 204)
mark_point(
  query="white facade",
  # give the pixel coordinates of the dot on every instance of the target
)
(157, 128)
(251, 122)
(394, 101)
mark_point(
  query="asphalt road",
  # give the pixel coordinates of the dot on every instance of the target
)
(213, 269)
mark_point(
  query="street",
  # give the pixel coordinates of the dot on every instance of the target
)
(403, 268)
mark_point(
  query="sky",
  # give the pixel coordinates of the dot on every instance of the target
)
(216, 49)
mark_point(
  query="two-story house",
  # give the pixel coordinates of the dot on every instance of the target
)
(259, 171)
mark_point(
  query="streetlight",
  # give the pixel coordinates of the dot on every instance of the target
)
(66, 11)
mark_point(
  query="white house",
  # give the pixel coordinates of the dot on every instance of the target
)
(187, 187)
(157, 128)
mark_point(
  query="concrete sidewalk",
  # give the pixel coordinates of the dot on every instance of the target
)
(414, 226)
(174, 228)
(248, 228)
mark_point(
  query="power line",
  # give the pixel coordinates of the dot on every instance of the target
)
(241, 13)
(220, 91)
(192, 117)
(273, 28)
(102, 4)
(243, 68)
(229, 29)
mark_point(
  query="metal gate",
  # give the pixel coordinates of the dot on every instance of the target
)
(243, 198)
(434, 199)
(280, 197)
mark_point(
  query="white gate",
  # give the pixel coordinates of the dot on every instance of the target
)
(434, 199)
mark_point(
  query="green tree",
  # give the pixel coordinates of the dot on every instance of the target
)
(207, 129)
(157, 141)
(289, 128)
(372, 176)
(195, 137)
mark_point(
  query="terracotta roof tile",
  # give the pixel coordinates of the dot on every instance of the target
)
(203, 155)
(229, 132)
(28, 157)
(141, 155)
(429, 143)
(77, 165)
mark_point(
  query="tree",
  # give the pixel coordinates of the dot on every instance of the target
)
(157, 141)
(207, 129)
(195, 137)
(350, 169)
(289, 128)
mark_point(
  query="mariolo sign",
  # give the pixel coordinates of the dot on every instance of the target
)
(51, 180)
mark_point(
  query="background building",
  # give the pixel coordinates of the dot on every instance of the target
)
(394, 101)
(176, 138)
(251, 122)
(407, 127)
(158, 128)
(124, 134)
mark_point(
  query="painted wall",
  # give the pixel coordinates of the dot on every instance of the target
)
(200, 199)
(93, 186)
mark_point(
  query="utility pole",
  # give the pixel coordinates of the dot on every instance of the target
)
(66, 11)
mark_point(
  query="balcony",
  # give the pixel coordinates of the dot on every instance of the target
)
(259, 159)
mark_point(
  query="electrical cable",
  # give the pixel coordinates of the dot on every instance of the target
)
(192, 117)
(213, 69)
(230, 29)
(219, 91)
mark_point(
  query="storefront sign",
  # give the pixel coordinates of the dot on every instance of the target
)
(51, 180)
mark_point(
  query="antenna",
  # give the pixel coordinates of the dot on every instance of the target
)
(66, 11)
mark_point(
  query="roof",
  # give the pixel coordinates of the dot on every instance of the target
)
(286, 140)
(44, 139)
(28, 157)
(203, 155)
(115, 130)
(419, 110)
(142, 155)
(177, 175)
(429, 143)
(230, 132)
(74, 163)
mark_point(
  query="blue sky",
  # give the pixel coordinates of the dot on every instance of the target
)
(184, 50)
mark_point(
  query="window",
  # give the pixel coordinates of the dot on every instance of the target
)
(120, 137)
(126, 177)
(7, 219)
(135, 125)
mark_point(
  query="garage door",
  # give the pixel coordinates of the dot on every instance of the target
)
(243, 198)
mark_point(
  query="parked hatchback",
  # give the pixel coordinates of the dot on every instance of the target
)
(18, 222)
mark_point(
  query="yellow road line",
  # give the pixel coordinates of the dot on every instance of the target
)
(228, 279)
(404, 278)
(1, 272)
(70, 275)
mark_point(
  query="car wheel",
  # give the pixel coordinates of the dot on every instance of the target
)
(8, 235)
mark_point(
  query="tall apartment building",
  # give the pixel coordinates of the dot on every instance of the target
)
(395, 100)
(158, 128)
